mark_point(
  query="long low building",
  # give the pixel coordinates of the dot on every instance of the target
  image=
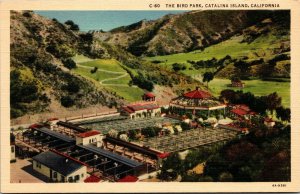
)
(59, 168)
(141, 110)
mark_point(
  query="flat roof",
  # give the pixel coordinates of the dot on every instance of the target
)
(111, 155)
(71, 126)
(127, 124)
(88, 134)
(57, 162)
(55, 134)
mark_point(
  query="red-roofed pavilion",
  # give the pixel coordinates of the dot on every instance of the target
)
(195, 101)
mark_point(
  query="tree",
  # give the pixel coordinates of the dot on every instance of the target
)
(66, 101)
(283, 113)
(243, 67)
(69, 63)
(72, 25)
(273, 101)
(207, 77)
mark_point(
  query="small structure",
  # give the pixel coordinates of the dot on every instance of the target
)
(90, 137)
(59, 167)
(148, 96)
(242, 111)
(269, 122)
(12, 148)
(196, 101)
(237, 83)
(141, 110)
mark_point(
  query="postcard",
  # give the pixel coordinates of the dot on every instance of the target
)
(150, 96)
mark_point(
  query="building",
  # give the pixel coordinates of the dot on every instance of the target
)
(141, 110)
(90, 137)
(237, 83)
(241, 111)
(148, 97)
(196, 101)
(59, 167)
(12, 148)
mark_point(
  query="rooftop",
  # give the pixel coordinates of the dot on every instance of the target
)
(141, 106)
(111, 155)
(88, 134)
(198, 94)
(55, 134)
(58, 162)
(149, 95)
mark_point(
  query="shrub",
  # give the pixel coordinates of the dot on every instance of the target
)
(66, 101)
(69, 63)
(94, 70)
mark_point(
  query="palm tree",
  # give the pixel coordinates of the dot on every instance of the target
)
(207, 77)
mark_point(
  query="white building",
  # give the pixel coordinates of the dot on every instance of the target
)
(59, 167)
(90, 137)
(141, 110)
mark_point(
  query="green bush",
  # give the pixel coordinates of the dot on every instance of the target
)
(69, 63)
(66, 101)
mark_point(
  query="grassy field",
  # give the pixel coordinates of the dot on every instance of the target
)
(257, 87)
(123, 80)
(232, 47)
(105, 64)
(129, 93)
(98, 76)
(107, 69)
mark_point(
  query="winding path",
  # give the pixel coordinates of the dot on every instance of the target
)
(123, 74)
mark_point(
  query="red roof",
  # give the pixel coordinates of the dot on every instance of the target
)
(52, 119)
(149, 95)
(35, 126)
(163, 155)
(239, 111)
(92, 179)
(197, 94)
(128, 109)
(88, 134)
(128, 178)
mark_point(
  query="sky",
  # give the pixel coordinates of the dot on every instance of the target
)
(105, 20)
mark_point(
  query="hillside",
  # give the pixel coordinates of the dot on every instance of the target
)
(183, 32)
(41, 51)
(47, 76)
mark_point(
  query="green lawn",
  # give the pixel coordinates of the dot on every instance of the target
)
(81, 59)
(257, 87)
(123, 80)
(105, 64)
(98, 76)
(232, 47)
(129, 93)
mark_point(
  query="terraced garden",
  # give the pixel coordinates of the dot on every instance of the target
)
(109, 74)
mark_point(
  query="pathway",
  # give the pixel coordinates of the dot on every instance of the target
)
(123, 74)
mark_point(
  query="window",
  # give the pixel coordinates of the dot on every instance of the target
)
(12, 149)
(82, 175)
(38, 165)
(76, 177)
(54, 174)
(62, 178)
(70, 179)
